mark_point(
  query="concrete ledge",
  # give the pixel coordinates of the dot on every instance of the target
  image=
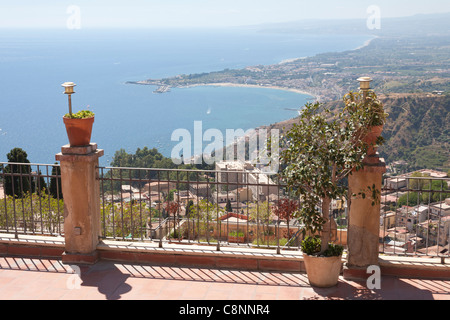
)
(29, 245)
(202, 256)
(79, 258)
(415, 267)
(354, 273)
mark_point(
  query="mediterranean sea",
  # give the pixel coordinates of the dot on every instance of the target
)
(34, 64)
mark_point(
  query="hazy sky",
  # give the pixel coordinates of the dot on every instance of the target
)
(197, 13)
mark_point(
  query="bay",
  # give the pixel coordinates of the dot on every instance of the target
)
(34, 64)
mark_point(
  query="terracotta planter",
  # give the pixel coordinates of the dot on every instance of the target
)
(323, 272)
(79, 131)
(371, 139)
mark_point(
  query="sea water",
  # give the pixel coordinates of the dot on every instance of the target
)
(34, 64)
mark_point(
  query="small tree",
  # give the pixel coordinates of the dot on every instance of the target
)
(20, 184)
(321, 150)
(228, 207)
(55, 183)
(172, 207)
(285, 209)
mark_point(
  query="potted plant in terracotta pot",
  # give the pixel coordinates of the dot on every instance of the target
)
(320, 151)
(236, 236)
(78, 125)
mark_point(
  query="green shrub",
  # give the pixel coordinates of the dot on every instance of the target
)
(311, 245)
(83, 114)
(333, 250)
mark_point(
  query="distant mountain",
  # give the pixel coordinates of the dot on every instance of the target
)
(421, 24)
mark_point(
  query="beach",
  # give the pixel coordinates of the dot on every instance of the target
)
(229, 84)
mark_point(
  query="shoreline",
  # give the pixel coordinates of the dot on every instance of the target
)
(366, 43)
(230, 84)
(316, 97)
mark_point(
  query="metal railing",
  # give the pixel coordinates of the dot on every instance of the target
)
(232, 207)
(219, 208)
(415, 216)
(31, 199)
(237, 208)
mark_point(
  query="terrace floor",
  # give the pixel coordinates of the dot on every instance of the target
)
(50, 279)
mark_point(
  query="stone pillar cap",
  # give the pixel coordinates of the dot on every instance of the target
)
(82, 153)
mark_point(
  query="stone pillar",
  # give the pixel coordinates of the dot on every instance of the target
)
(80, 187)
(364, 218)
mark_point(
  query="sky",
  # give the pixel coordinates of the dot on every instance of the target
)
(197, 13)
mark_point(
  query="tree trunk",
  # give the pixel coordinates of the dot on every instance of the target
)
(326, 231)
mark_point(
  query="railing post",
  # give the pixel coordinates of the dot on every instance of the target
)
(81, 190)
(364, 217)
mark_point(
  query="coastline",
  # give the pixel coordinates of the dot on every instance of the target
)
(230, 84)
(366, 43)
(316, 96)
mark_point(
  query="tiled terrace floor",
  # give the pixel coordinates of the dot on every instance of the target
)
(32, 278)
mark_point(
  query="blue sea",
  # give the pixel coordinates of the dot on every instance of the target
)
(34, 64)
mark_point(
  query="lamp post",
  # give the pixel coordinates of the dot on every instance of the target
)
(68, 89)
(364, 85)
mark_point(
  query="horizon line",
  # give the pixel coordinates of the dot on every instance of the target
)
(253, 25)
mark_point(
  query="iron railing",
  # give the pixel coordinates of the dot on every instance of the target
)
(237, 208)
(232, 207)
(219, 208)
(415, 216)
(31, 199)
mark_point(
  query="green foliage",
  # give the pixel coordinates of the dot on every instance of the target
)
(151, 159)
(334, 250)
(82, 114)
(228, 207)
(126, 220)
(370, 192)
(369, 111)
(311, 245)
(428, 191)
(235, 233)
(260, 212)
(55, 188)
(32, 213)
(322, 149)
(20, 185)
(205, 211)
(204, 215)
(418, 131)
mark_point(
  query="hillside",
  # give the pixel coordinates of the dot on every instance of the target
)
(417, 130)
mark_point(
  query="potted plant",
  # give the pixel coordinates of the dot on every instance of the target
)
(365, 107)
(78, 125)
(322, 269)
(319, 152)
(236, 236)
